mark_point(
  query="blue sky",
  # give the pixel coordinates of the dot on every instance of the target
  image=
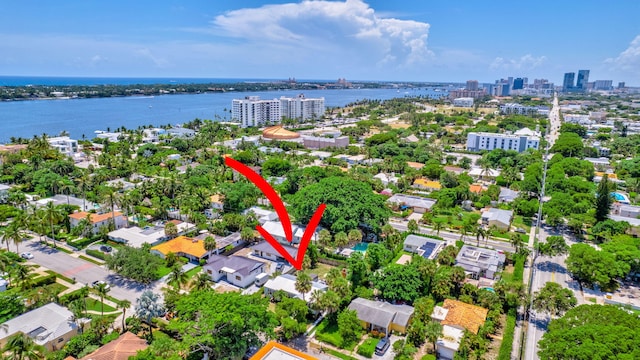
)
(415, 40)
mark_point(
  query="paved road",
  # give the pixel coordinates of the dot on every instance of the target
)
(554, 122)
(451, 238)
(547, 269)
(86, 272)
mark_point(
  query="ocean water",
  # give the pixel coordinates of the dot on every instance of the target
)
(84, 116)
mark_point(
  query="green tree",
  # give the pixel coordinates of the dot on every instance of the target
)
(136, 264)
(148, 307)
(341, 239)
(377, 256)
(177, 278)
(554, 299)
(21, 347)
(592, 332)
(412, 226)
(555, 245)
(349, 327)
(398, 282)
(303, 283)
(210, 244)
(568, 144)
(170, 230)
(101, 289)
(201, 282)
(350, 203)
(124, 305)
(53, 214)
(223, 326)
(433, 330)
(604, 199)
(354, 236)
(592, 267)
(324, 237)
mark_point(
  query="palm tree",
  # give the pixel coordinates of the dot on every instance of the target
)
(210, 244)
(324, 237)
(355, 236)
(341, 239)
(22, 347)
(201, 282)
(147, 307)
(492, 228)
(78, 309)
(433, 331)
(303, 283)
(247, 234)
(124, 305)
(83, 185)
(14, 233)
(102, 289)
(516, 241)
(52, 215)
(437, 226)
(480, 232)
(177, 278)
(22, 273)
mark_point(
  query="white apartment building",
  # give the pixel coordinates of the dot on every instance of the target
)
(513, 108)
(301, 108)
(251, 111)
(64, 144)
(519, 141)
(463, 102)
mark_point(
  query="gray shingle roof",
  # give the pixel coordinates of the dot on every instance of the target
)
(381, 313)
(240, 264)
(266, 247)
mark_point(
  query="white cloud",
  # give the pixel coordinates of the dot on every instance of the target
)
(526, 62)
(628, 60)
(344, 34)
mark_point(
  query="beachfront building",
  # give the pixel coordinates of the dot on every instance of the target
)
(519, 141)
(301, 108)
(253, 112)
(64, 145)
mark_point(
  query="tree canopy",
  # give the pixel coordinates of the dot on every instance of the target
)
(350, 204)
(592, 332)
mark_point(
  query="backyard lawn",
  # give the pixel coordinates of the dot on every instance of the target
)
(330, 334)
(191, 273)
(321, 270)
(95, 305)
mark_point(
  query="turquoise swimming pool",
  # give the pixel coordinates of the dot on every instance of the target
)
(361, 246)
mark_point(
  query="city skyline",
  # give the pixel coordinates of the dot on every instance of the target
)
(354, 39)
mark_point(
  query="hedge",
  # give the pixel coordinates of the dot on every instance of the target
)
(97, 254)
(83, 243)
(507, 338)
(67, 298)
(44, 280)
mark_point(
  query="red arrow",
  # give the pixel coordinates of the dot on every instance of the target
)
(281, 210)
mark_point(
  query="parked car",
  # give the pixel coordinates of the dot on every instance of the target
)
(279, 266)
(26, 255)
(521, 230)
(106, 248)
(97, 282)
(382, 346)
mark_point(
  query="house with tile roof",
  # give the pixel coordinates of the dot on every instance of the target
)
(125, 346)
(236, 270)
(456, 317)
(276, 351)
(426, 184)
(476, 188)
(97, 221)
(50, 326)
(415, 165)
(382, 316)
(191, 248)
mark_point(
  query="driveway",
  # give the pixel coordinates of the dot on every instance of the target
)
(85, 272)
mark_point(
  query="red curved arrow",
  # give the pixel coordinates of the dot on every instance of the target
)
(268, 191)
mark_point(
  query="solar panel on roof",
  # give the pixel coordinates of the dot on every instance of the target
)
(428, 249)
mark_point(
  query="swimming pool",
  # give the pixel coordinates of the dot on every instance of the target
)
(361, 247)
(621, 198)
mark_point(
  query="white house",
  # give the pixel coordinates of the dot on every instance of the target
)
(423, 246)
(479, 262)
(417, 203)
(64, 145)
(277, 231)
(498, 218)
(266, 251)
(386, 179)
(135, 236)
(237, 270)
(463, 102)
(50, 326)
(519, 141)
(287, 283)
(97, 221)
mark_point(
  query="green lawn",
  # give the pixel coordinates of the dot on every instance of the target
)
(321, 270)
(339, 355)
(191, 273)
(367, 348)
(90, 260)
(521, 222)
(163, 271)
(95, 305)
(330, 333)
(56, 288)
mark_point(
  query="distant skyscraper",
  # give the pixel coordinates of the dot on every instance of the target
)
(518, 84)
(583, 79)
(472, 85)
(567, 84)
(603, 85)
(621, 85)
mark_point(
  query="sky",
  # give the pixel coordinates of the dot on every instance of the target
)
(410, 40)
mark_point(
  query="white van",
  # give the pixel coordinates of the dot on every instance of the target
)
(261, 279)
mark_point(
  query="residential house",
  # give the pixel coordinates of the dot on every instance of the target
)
(50, 326)
(277, 231)
(261, 214)
(483, 174)
(625, 210)
(417, 203)
(320, 154)
(423, 246)
(275, 351)
(193, 249)
(507, 195)
(287, 283)
(237, 270)
(454, 169)
(415, 165)
(216, 205)
(223, 243)
(382, 316)
(264, 250)
(387, 179)
(476, 188)
(181, 133)
(64, 145)
(135, 236)
(97, 221)
(191, 165)
(120, 184)
(125, 346)
(426, 184)
(499, 218)
(478, 262)
(456, 316)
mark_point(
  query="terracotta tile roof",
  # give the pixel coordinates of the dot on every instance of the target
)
(464, 315)
(95, 218)
(119, 349)
(429, 184)
(182, 244)
(217, 198)
(475, 188)
(273, 351)
(415, 165)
